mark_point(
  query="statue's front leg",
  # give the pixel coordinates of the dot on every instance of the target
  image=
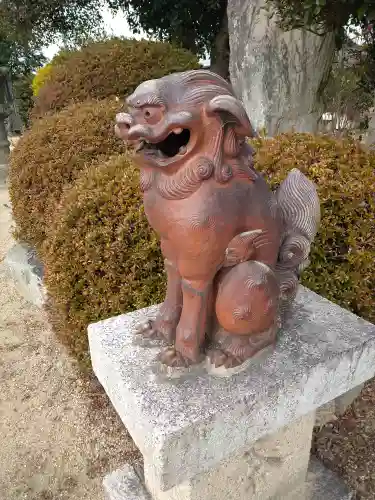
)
(164, 326)
(193, 325)
(197, 278)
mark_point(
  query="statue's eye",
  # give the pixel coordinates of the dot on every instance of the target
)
(153, 114)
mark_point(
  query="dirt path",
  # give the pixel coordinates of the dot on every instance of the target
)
(56, 441)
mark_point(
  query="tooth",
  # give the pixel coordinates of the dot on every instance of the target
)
(177, 130)
(182, 150)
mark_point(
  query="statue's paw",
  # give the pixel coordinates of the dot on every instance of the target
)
(157, 329)
(173, 358)
(220, 358)
(148, 331)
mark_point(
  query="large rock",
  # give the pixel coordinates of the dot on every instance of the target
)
(278, 75)
(22, 265)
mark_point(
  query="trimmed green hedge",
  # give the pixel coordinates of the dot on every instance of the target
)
(108, 68)
(343, 256)
(51, 155)
(101, 257)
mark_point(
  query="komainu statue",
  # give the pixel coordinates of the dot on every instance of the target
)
(233, 249)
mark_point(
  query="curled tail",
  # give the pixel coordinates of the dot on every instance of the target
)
(299, 207)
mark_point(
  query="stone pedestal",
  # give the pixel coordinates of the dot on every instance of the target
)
(274, 467)
(241, 437)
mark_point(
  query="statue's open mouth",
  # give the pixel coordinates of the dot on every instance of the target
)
(174, 144)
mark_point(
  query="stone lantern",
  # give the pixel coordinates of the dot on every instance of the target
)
(5, 110)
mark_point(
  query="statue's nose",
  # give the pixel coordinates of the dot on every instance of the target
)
(123, 124)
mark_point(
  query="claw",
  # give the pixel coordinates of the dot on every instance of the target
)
(147, 330)
(217, 357)
(232, 362)
(220, 358)
(143, 327)
(173, 358)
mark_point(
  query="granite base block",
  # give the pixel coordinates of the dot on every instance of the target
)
(124, 484)
(188, 426)
(321, 484)
(273, 467)
(23, 266)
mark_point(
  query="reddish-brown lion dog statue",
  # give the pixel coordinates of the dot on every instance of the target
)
(233, 249)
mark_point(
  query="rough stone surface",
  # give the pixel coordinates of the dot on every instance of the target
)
(337, 407)
(187, 426)
(321, 484)
(3, 173)
(275, 465)
(124, 484)
(24, 267)
(277, 74)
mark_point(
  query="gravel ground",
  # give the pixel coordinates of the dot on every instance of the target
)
(58, 433)
(347, 445)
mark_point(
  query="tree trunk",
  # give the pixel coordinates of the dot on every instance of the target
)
(370, 132)
(4, 144)
(220, 50)
(278, 75)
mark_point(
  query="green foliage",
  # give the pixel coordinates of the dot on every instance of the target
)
(100, 256)
(339, 16)
(110, 68)
(324, 15)
(345, 95)
(192, 24)
(47, 20)
(368, 64)
(41, 77)
(343, 255)
(51, 155)
(24, 96)
(43, 74)
(26, 26)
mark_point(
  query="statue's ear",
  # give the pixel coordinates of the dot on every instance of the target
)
(234, 110)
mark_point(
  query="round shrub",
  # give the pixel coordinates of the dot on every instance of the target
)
(101, 257)
(342, 265)
(51, 155)
(43, 74)
(112, 67)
